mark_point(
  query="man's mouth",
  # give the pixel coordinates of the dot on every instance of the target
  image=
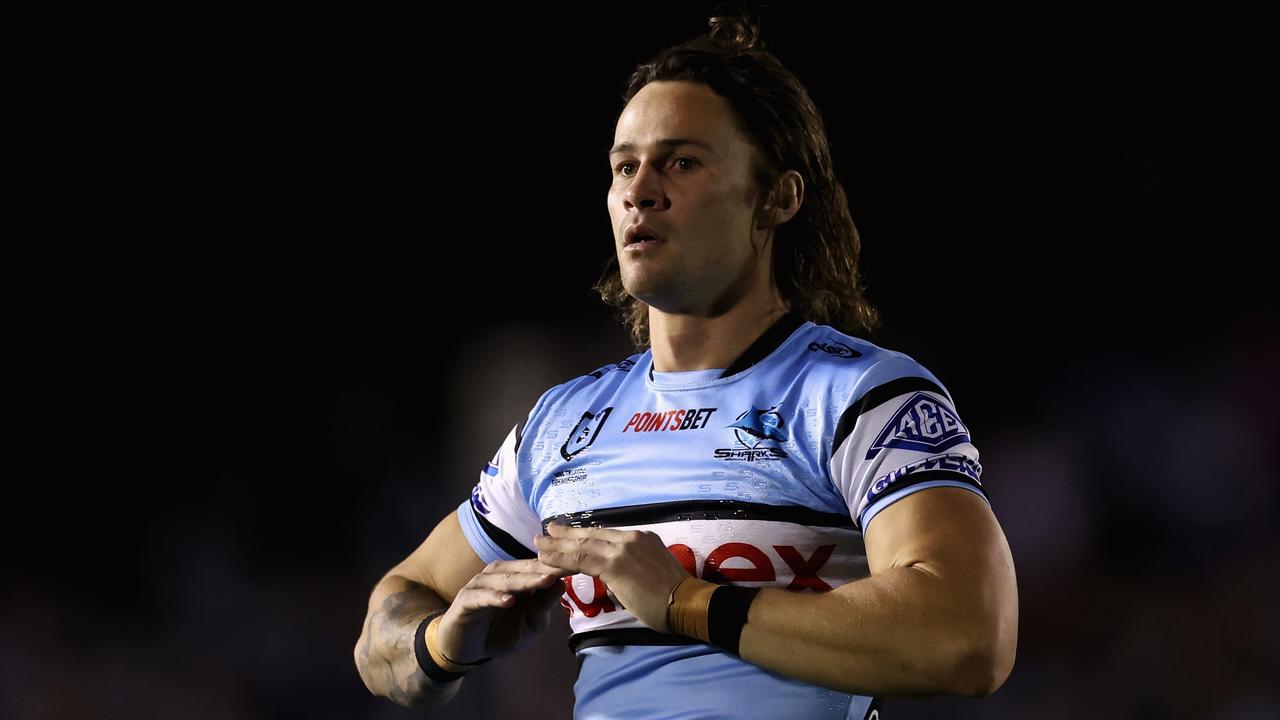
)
(638, 234)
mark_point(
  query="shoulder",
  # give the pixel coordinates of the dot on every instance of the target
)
(850, 367)
(603, 378)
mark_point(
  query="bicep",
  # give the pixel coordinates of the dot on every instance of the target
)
(952, 534)
(945, 530)
(444, 562)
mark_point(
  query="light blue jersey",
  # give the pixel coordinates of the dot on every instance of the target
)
(763, 474)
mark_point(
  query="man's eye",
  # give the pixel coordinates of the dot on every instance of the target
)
(686, 163)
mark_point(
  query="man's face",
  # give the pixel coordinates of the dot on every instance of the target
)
(697, 195)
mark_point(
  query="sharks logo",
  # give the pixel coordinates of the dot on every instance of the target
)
(924, 423)
(755, 430)
(754, 427)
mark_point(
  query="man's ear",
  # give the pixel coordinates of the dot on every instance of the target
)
(783, 201)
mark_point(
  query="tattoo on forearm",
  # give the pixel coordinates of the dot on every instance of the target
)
(388, 629)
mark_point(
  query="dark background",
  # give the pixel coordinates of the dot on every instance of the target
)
(279, 285)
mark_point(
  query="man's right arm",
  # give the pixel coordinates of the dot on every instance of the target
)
(428, 580)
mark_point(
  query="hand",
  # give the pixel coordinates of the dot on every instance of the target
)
(635, 564)
(480, 623)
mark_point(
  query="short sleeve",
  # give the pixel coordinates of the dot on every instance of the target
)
(897, 437)
(497, 519)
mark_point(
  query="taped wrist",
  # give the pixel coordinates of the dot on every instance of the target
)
(434, 663)
(709, 612)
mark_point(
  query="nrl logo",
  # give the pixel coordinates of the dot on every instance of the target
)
(584, 433)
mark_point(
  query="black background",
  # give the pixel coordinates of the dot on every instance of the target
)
(247, 254)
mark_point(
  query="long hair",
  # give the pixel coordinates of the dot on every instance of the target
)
(815, 254)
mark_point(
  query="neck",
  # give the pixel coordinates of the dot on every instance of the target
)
(693, 342)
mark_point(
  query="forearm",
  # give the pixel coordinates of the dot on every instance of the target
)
(384, 653)
(901, 632)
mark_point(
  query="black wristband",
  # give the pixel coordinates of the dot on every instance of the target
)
(727, 613)
(429, 666)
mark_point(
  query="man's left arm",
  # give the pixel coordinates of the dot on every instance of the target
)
(938, 613)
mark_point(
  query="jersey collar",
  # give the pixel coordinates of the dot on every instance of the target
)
(768, 341)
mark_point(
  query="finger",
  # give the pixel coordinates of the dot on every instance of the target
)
(512, 581)
(566, 531)
(477, 598)
(535, 565)
(529, 565)
(579, 558)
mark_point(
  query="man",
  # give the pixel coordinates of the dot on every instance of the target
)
(758, 516)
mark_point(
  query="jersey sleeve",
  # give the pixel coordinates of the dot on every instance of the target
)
(497, 519)
(900, 434)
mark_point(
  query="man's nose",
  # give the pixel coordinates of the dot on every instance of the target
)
(646, 189)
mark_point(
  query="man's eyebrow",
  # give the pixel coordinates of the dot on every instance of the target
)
(664, 143)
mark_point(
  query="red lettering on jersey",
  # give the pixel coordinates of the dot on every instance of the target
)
(806, 570)
(684, 554)
(680, 419)
(600, 603)
(762, 570)
(713, 570)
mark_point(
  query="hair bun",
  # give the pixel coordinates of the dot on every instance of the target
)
(738, 33)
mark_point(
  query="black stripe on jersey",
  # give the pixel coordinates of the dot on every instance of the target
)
(627, 636)
(502, 538)
(916, 478)
(876, 397)
(652, 513)
(768, 341)
(765, 344)
(873, 710)
(519, 435)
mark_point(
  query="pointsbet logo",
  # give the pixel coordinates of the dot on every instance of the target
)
(658, 421)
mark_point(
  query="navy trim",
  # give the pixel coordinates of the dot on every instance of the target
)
(628, 636)
(681, 510)
(872, 708)
(924, 476)
(876, 397)
(502, 538)
(769, 341)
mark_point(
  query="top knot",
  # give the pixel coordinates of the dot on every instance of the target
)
(737, 33)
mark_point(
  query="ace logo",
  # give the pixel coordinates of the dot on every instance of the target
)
(924, 423)
(762, 569)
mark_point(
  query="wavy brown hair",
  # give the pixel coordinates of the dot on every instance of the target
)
(815, 254)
